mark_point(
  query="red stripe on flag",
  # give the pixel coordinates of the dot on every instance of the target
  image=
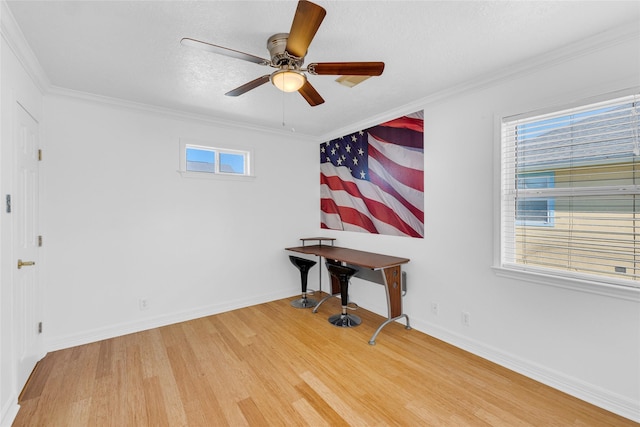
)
(410, 177)
(377, 209)
(405, 123)
(357, 218)
(383, 213)
(348, 215)
(335, 184)
(384, 186)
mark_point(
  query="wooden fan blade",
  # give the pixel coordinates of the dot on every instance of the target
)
(248, 86)
(305, 23)
(310, 94)
(347, 68)
(224, 51)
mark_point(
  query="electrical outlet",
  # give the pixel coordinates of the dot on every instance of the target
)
(144, 303)
(435, 308)
(466, 318)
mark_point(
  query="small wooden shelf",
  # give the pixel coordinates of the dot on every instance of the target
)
(318, 239)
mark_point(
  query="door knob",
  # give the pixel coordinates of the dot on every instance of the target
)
(25, 263)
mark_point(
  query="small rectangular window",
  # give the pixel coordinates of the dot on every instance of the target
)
(232, 163)
(200, 160)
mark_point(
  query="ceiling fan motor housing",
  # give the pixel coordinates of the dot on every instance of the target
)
(277, 45)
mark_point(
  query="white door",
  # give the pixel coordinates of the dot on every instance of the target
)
(27, 307)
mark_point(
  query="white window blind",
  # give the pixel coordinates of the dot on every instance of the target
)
(570, 192)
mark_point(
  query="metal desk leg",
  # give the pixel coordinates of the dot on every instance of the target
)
(315, 309)
(372, 341)
(393, 288)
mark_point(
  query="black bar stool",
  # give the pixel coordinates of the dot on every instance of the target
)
(343, 274)
(304, 265)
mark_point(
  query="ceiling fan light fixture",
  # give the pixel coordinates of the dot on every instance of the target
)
(288, 80)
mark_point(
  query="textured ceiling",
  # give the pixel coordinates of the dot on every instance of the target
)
(130, 50)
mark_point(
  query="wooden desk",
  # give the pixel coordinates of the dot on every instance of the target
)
(383, 269)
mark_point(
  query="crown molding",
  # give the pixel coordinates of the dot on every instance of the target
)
(57, 91)
(16, 41)
(568, 52)
(14, 37)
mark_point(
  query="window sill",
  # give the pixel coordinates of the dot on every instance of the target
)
(580, 285)
(217, 176)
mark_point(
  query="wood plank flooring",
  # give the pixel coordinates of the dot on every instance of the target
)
(274, 365)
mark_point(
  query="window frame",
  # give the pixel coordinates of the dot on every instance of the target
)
(246, 152)
(611, 287)
(540, 193)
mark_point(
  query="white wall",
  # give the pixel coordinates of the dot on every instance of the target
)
(121, 224)
(583, 343)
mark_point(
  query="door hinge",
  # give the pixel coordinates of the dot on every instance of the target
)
(39, 154)
(8, 203)
(39, 327)
(39, 241)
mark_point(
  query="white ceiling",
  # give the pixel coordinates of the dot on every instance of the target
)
(130, 50)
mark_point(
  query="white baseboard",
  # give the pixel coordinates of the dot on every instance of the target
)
(9, 412)
(589, 393)
(98, 334)
(597, 396)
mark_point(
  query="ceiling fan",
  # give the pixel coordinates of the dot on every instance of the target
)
(288, 51)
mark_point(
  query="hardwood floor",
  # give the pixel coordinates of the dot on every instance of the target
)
(274, 365)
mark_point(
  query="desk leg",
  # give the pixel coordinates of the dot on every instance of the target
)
(392, 284)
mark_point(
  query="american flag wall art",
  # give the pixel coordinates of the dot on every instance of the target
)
(372, 180)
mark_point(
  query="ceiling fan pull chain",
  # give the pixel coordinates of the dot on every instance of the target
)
(283, 124)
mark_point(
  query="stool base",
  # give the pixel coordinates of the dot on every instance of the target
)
(345, 320)
(304, 303)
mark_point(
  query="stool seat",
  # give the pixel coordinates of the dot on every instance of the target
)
(343, 274)
(304, 265)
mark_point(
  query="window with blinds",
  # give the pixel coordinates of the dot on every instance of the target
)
(570, 190)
